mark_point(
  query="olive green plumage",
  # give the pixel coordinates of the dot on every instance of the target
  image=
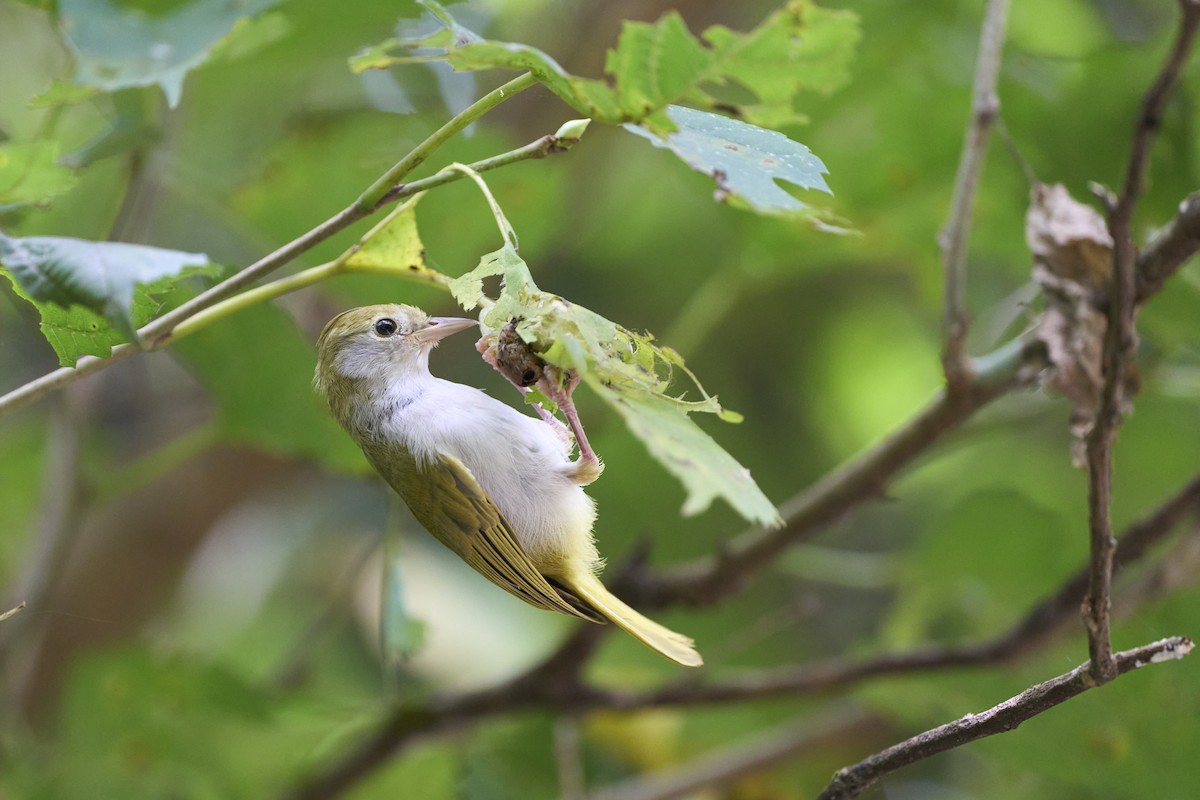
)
(494, 485)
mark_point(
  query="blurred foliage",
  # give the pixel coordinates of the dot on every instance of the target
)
(210, 624)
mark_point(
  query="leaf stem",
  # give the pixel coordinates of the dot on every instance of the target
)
(377, 192)
(87, 365)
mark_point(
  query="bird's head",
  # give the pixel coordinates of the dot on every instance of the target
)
(380, 341)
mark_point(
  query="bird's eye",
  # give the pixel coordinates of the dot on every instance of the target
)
(386, 327)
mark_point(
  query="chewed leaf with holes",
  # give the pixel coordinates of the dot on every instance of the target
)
(746, 161)
(92, 294)
(654, 64)
(629, 371)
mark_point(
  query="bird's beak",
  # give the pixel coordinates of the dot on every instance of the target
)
(439, 328)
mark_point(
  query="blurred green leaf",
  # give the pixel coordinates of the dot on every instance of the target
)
(102, 277)
(980, 562)
(118, 47)
(31, 173)
(259, 370)
(746, 161)
(629, 371)
(660, 63)
(133, 126)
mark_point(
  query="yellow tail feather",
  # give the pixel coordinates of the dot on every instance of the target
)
(666, 642)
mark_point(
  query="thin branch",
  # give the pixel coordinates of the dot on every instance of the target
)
(1034, 629)
(853, 780)
(556, 682)
(985, 106)
(709, 580)
(1120, 345)
(152, 340)
(719, 769)
(12, 612)
(1169, 250)
(364, 206)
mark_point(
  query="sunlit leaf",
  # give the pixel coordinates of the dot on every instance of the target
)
(395, 244)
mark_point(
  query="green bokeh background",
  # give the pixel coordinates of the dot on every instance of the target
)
(218, 509)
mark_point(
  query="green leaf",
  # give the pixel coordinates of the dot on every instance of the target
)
(655, 64)
(30, 173)
(118, 47)
(816, 44)
(746, 161)
(629, 371)
(395, 244)
(258, 368)
(100, 276)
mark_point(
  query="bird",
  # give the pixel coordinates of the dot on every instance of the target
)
(495, 485)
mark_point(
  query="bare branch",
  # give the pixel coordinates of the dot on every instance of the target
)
(1120, 349)
(1033, 630)
(1170, 250)
(556, 682)
(985, 107)
(710, 580)
(852, 780)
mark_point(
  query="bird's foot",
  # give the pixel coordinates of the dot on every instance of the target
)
(588, 465)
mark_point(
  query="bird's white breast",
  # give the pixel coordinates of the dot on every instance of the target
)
(521, 461)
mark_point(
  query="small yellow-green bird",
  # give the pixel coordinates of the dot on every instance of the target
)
(494, 485)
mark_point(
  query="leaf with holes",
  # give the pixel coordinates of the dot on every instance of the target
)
(747, 162)
(630, 371)
(654, 64)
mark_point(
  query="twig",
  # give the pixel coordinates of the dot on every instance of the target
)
(1170, 250)
(12, 612)
(1025, 636)
(985, 106)
(709, 580)
(1119, 349)
(851, 781)
(366, 204)
(152, 339)
(715, 770)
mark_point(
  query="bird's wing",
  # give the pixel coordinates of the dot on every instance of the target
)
(450, 503)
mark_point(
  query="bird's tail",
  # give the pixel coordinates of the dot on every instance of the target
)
(665, 641)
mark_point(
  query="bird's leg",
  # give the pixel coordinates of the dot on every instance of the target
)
(588, 466)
